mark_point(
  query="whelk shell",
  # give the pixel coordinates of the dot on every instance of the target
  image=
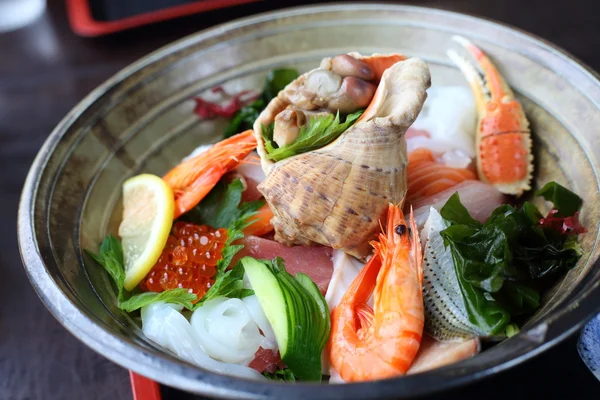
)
(336, 195)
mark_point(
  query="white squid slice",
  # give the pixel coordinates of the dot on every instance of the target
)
(261, 321)
(227, 331)
(252, 170)
(166, 326)
(450, 117)
(345, 270)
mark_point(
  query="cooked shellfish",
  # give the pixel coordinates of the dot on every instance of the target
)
(336, 195)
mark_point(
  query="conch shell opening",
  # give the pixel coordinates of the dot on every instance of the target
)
(337, 194)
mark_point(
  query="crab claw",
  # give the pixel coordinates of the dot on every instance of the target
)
(504, 156)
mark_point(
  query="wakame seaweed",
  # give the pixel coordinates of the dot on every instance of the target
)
(504, 264)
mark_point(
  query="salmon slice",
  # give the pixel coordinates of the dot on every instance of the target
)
(420, 155)
(427, 177)
(426, 168)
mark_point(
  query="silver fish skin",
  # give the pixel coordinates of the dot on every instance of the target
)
(446, 317)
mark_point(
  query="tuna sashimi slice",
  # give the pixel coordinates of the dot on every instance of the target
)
(266, 361)
(314, 261)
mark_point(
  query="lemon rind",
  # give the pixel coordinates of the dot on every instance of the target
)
(161, 227)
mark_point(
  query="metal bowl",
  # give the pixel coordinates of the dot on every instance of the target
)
(142, 120)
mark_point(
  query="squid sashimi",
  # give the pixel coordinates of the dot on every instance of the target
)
(427, 177)
(345, 269)
(479, 198)
(447, 122)
(232, 330)
(164, 324)
(253, 175)
(315, 261)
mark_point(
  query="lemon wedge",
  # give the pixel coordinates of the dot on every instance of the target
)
(148, 207)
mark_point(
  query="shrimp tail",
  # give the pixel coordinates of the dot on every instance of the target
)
(364, 313)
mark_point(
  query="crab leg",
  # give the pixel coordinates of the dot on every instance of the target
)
(503, 138)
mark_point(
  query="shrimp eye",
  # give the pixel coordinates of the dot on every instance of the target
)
(401, 229)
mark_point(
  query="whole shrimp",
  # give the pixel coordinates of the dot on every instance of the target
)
(194, 178)
(368, 344)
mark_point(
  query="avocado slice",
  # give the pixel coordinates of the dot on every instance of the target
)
(297, 312)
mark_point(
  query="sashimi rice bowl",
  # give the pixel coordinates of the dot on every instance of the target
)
(352, 223)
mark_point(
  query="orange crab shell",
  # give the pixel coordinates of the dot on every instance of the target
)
(504, 144)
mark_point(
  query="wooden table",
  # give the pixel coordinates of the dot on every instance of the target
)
(45, 70)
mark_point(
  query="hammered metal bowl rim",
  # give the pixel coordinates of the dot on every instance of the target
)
(169, 370)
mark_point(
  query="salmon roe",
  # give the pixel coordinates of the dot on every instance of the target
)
(188, 260)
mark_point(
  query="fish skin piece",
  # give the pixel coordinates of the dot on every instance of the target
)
(446, 316)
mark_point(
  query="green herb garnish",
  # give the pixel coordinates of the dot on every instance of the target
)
(318, 131)
(221, 208)
(173, 296)
(110, 257)
(276, 81)
(285, 374)
(228, 283)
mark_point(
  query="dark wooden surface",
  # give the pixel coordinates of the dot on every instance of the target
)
(45, 70)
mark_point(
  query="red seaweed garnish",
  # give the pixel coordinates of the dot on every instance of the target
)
(565, 225)
(209, 110)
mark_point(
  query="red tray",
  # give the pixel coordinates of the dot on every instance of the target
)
(144, 388)
(83, 23)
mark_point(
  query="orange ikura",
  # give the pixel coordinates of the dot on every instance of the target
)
(188, 260)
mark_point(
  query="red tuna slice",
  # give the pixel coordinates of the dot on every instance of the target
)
(266, 361)
(314, 261)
